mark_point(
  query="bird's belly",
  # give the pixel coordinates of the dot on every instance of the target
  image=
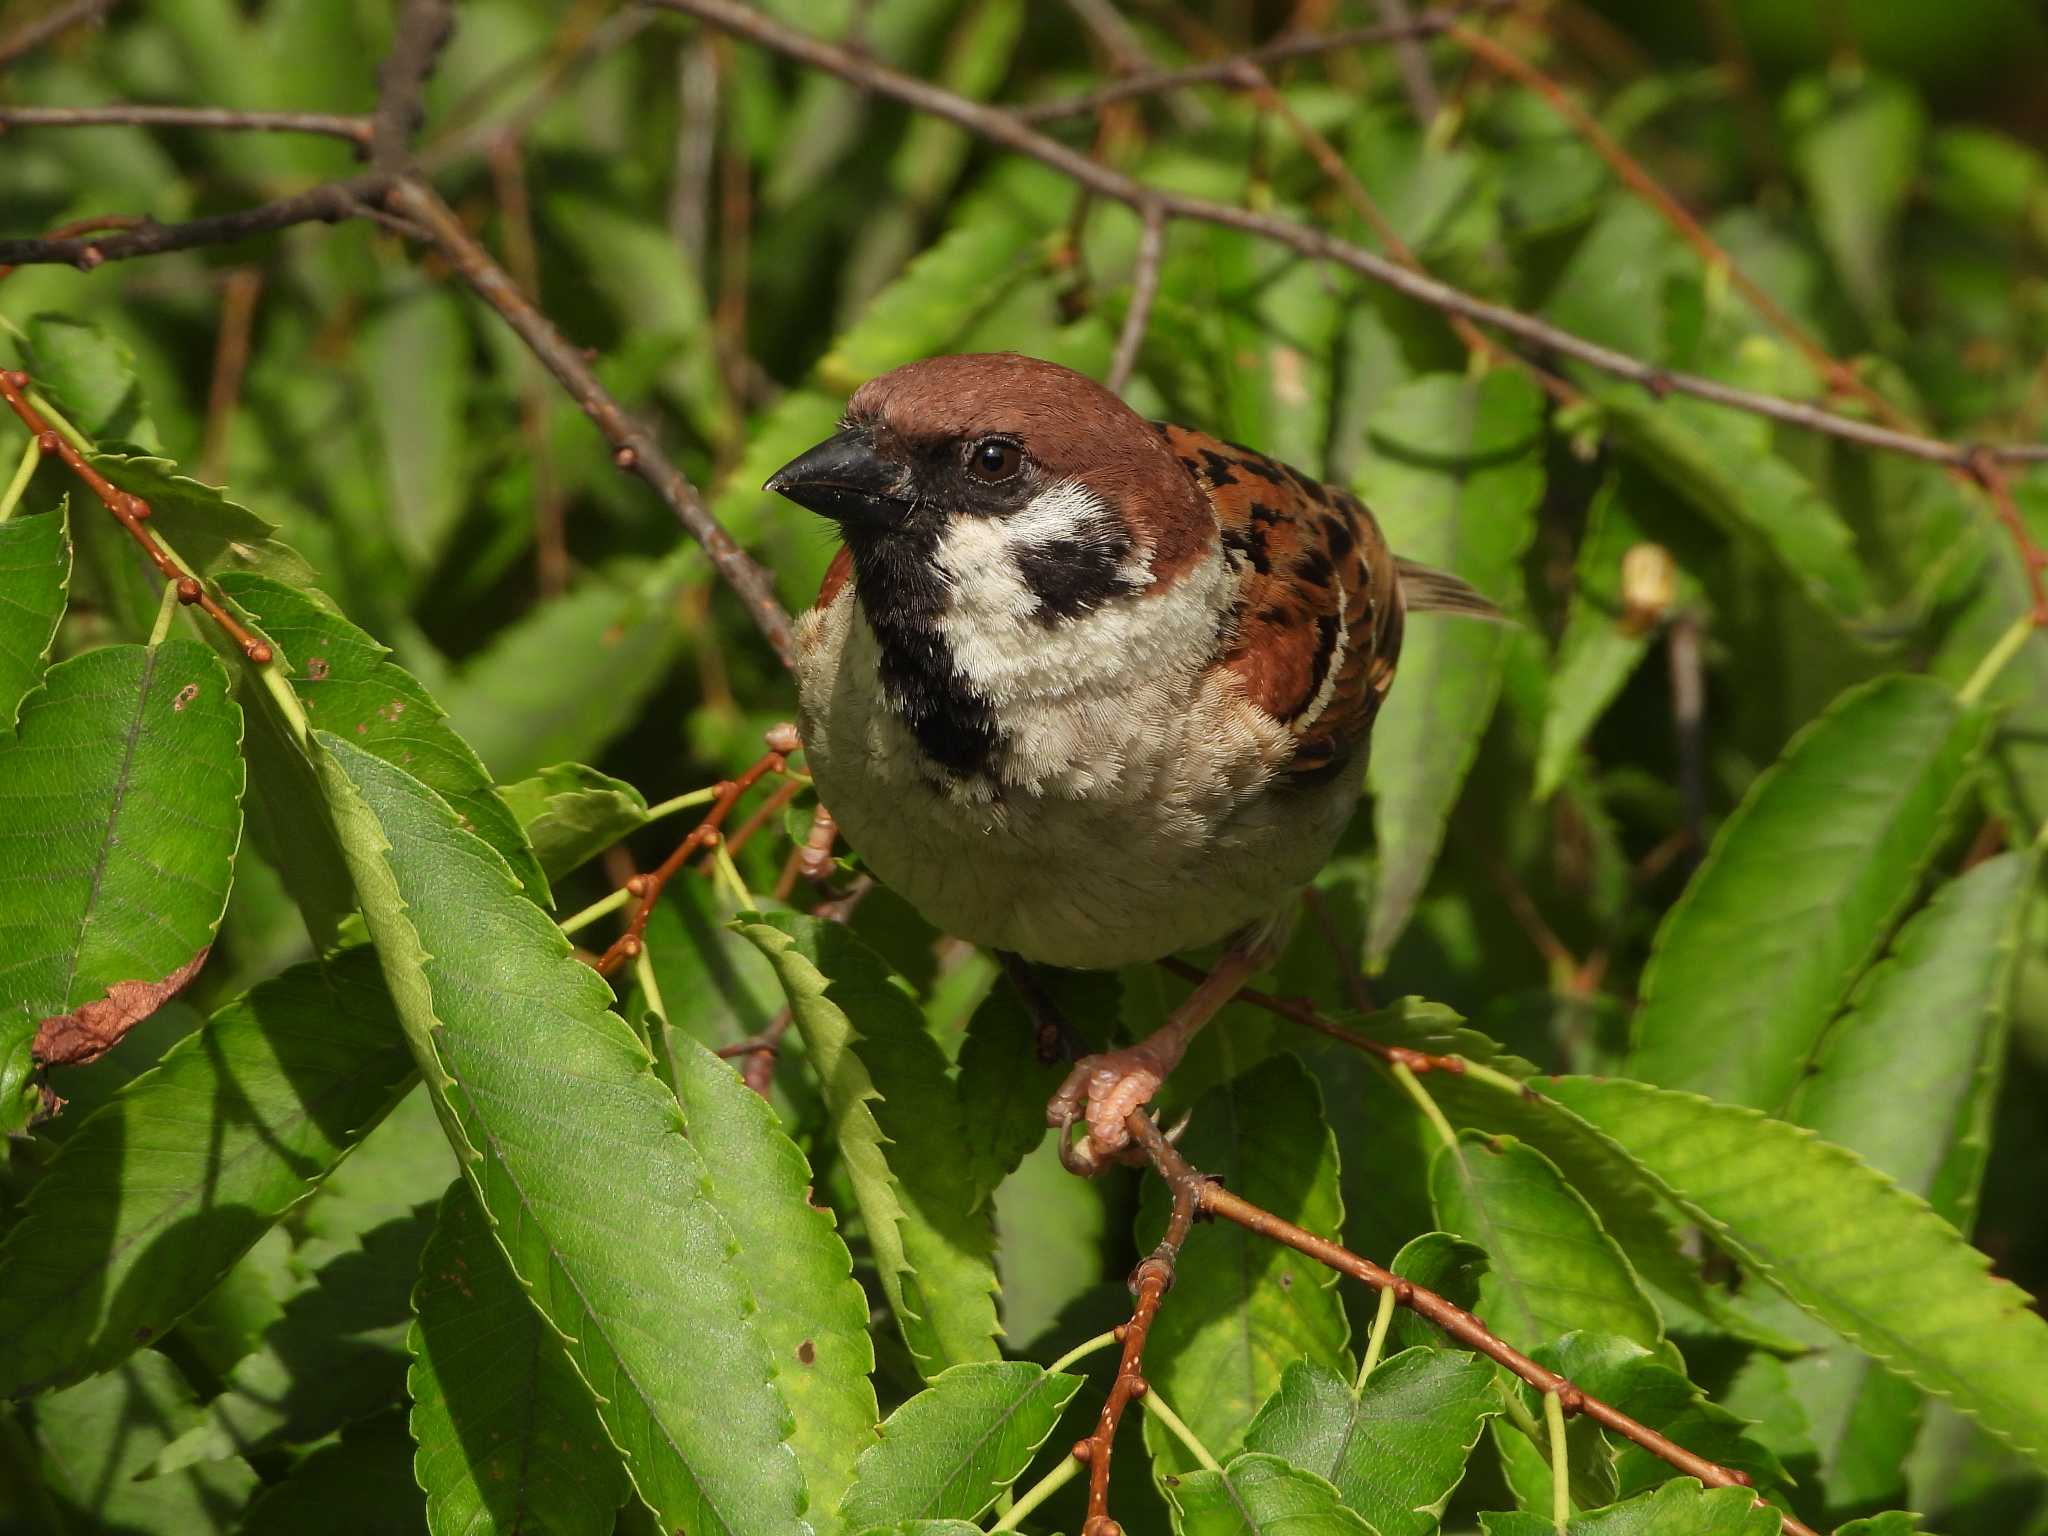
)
(1159, 837)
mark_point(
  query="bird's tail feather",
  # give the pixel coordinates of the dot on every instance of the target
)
(1426, 589)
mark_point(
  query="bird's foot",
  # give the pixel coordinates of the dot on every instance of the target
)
(1103, 1089)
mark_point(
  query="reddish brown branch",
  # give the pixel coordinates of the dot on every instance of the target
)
(648, 888)
(131, 512)
(634, 447)
(328, 203)
(1150, 1282)
(136, 115)
(1005, 129)
(1212, 1199)
(62, 19)
(1299, 45)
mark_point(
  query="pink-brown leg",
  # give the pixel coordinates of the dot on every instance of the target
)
(1105, 1088)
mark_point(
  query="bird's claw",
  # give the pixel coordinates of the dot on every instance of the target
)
(1103, 1090)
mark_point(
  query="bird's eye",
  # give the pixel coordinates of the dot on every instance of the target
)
(994, 459)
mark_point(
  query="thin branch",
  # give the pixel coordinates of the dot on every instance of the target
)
(1005, 129)
(1127, 51)
(423, 29)
(1413, 60)
(329, 203)
(1212, 1199)
(43, 28)
(131, 512)
(230, 361)
(1144, 289)
(1150, 1282)
(647, 888)
(1299, 45)
(634, 447)
(137, 115)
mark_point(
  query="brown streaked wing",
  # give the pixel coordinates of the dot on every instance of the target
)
(1318, 612)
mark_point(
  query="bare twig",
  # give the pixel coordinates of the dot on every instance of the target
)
(131, 512)
(1212, 1199)
(136, 115)
(647, 889)
(1299, 45)
(230, 360)
(1127, 52)
(515, 216)
(49, 25)
(1413, 60)
(327, 203)
(423, 28)
(1005, 129)
(634, 446)
(1150, 1281)
(1144, 288)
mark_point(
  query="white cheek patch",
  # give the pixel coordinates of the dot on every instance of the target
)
(996, 626)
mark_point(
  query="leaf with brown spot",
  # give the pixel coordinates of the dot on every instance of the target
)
(120, 814)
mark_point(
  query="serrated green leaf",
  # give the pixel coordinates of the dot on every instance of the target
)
(1551, 1268)
(99, 1436)
(156, 1196)
(359, 1482)
(1243, 1308)
(506, 1431)
(924, 1528)
(886, 1087)
(950, 1450)
(120, 812)
(558, 683)
(571, 813)
(1454, 479)
(1799, 889)
(349, 685)
(1437, 1262)
(813, 1314)
(1679, 1508)
(1871, 1261)
(35, 574)
(91, 378)
(414, 352)
(575, 1149)
(1258, 1495)
(1397, 1449)
(1002, 1077)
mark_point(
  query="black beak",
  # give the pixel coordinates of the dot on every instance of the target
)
(844, 479)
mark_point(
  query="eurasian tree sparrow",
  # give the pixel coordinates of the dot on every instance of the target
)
(1090, 689)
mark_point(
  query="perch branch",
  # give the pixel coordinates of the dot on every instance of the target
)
(131, 512)
(136, 115)
(1005, 129)
(327, 203)
(1150, 1281)
(1212, 1199)
(634, 447)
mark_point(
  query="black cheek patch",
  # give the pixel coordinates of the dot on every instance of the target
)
(1073, 577)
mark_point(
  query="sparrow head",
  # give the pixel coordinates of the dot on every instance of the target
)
(957, 462)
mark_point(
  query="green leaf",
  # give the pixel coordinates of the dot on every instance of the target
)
(575, 1150)
(1871, 1261)
(1679, 1508)
(558, 683)
(360, 1482)
(1243, 1307)
(98, 1437)
(1551, 1267)
(123, 794)
(1001, 1076)
(1856, 144)
(1397, 1449)
(35, 574)
(813, 1314)
(1626, 1376)
(1258, 1495)
(1602, 644)
(571, 813)
(157, 1195)
(90, 376)
(348, 684)
(1438, 1262)
(950, 1450)
(415, 354)
(1799, 889)
(897, 1123)
(1455, 477)
(507, 1432)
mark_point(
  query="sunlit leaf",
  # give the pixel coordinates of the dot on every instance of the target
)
(35, 574)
